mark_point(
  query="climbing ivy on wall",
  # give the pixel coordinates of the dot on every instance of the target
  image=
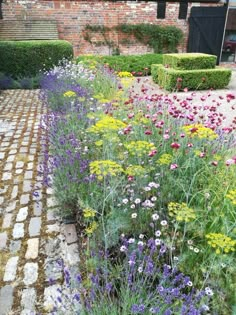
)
(160, 38)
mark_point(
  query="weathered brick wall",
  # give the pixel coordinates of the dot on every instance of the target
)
(73, 16)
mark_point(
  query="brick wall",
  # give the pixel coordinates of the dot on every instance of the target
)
(73, 16)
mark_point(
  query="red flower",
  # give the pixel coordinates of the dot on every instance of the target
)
(130, 178)
(175, 145)
(148, 132)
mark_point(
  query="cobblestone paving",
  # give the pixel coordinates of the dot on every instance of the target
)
(32, 240)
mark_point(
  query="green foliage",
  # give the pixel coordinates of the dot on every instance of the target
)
(154, 72)
(189, 61)
(27, 58)
(203, 79)
(140, 64)
(160, 38)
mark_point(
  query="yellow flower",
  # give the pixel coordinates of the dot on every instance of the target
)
(199, 131)
(89, 213)
(139, 148)
(69, 94)
(232, 196)
(107, 124)
(124, 74)
(221, 243)
(181, 212)
(126, 82)
(165, 159)
(135, 170)
(99, 143)
(91, 228)
(104, 168)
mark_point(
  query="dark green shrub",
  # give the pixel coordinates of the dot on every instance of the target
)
(203, 79)
(27, 58)
(137, 64)
(190, 61)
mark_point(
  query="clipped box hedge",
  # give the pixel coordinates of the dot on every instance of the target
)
(154, 72)
(27, 58)
(203, 79)
(139, 64)
(189, 61)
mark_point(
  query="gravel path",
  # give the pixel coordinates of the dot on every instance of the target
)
(32, 240)
(211, 98)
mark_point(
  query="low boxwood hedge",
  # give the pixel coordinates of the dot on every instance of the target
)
(154, 72)
(203, 79)
(27, 58)
(137, 64)
(189, 61)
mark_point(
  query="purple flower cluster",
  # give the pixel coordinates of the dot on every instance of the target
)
(147, 285)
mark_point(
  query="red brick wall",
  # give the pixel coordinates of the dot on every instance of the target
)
(73, 16)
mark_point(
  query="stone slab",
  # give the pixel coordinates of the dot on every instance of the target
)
(6, 299)
(32, 248)
(10, 269)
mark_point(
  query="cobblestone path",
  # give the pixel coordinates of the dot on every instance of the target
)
(32, 240)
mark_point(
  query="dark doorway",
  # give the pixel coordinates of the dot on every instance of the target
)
(206, 30)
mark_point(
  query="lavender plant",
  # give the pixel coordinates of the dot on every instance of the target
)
(141, 283)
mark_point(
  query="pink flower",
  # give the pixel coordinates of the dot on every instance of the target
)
(214, 163)
(127, 130)
(190, 145)
(175, 145)
(173, 166)
(202, 154)
(166, 137)
(179, 80)
(148, 132)
(182, 135)
(130, 115)
(230, 162)
(152, 153)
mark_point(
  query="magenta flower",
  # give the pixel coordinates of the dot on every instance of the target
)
(173, 166)
(175, 145)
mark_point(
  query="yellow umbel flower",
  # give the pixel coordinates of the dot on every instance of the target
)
(199, 131)
(104, 168)
(124, 74)
(69, 94)
(139, 148)
(232, 196)
(89, 213)
(221, 243)
(91, 228)
(135, 170)
(165, 159)
(107, 124)
(181, 212)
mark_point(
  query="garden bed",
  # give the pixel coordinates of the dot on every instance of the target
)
(152, 186)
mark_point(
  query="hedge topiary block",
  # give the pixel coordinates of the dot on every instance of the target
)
(154, 72)
(203, 79)
(27, 58)
(189, 61)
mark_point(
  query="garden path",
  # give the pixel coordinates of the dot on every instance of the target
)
(32, 240)
(228, 109)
